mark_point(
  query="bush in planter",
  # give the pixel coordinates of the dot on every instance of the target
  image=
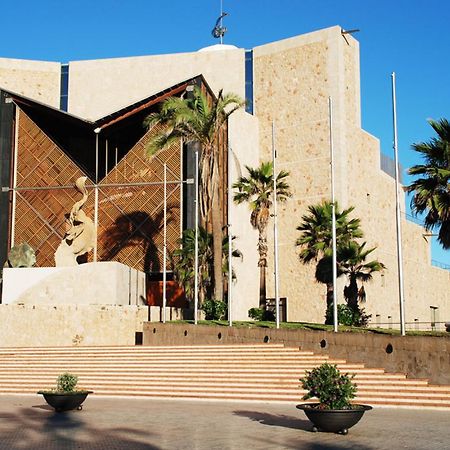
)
(65, 396)
(333, 389)
(66, 382)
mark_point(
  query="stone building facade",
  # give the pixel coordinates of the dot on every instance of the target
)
(286, 83)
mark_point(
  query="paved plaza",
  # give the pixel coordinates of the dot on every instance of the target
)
(26, 422)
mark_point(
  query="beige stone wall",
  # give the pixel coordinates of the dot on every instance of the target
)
(293, 81)
(69, 325)
(39, 80)
(244, 142)
(100, 87)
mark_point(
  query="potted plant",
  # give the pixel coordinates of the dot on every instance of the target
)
(334, 412)
(65, 396)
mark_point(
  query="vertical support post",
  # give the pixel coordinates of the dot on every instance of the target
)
(275, 229)
(333, 218)
(230, 244)
(397, 215)
(106, 157)
(97, 132)
(164, 302)
(196, 241)
(14, 193)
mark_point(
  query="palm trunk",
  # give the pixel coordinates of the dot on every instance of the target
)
(329, 317)
(352, 292)
(216, 216)
(262, 263)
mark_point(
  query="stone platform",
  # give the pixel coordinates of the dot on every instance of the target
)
(99, 303)
(99, 283)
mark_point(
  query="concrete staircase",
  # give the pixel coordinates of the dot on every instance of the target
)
(224, 372)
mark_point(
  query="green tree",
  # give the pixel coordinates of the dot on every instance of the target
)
(352, 263)
(315, 241)
(183, 260)
(257, 190)
(183, 263)
(431, 190)
(199, 120)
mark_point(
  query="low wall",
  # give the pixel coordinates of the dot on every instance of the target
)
(69, 325)
(106, 282)
(417, 356)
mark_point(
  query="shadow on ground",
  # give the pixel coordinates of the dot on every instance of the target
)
(42, 427)
(276, 420)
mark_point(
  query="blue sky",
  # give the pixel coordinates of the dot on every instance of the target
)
(410, 37)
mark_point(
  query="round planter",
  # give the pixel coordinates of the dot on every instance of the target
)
(333, 420)
(65, 402)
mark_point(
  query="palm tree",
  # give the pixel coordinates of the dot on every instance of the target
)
(183, 262)
(315, 241)
(352, 262)
(431, 191)
(201, 121)
(257, 190)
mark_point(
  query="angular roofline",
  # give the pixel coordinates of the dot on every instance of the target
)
(116, 116)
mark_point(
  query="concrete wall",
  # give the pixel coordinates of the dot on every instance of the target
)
(39, 80)
(69, 325)
(100, 87)
(109, 283)
(417, 356)
(243, 138)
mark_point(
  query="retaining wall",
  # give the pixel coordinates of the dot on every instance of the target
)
(416, 356)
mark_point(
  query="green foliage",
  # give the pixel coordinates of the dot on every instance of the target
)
(183, 260)
(199, 119)
(431, 188)
(315, 244)
(348, 317)
(260, 314)
(66, 382)
(214, 309)
(333, 389)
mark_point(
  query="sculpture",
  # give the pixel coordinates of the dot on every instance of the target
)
(80, 232)
(21, 255)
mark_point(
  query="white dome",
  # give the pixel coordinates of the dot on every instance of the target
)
(216, 47)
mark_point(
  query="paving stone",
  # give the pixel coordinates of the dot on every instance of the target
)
(26, 422)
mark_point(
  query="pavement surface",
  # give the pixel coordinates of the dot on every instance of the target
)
(27, 422)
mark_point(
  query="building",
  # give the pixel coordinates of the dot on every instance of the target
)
(287, 83)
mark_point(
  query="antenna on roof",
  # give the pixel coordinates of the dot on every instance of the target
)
(219, 30)
(344, 32)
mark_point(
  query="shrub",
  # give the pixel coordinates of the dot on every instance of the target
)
(260, 314)
(333, 389)
(256, 314)
(214, 309)
(346, 316)
(66, 382)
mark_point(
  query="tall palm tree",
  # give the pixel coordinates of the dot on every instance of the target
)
(315, 241)
(352, 262)
(257, 190)
(431, 191)
(199, 120)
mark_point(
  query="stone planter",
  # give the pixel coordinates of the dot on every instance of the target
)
(333, 420)
(65, 401)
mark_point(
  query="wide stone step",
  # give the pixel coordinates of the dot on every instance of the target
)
(262, 373)
(192, 385)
